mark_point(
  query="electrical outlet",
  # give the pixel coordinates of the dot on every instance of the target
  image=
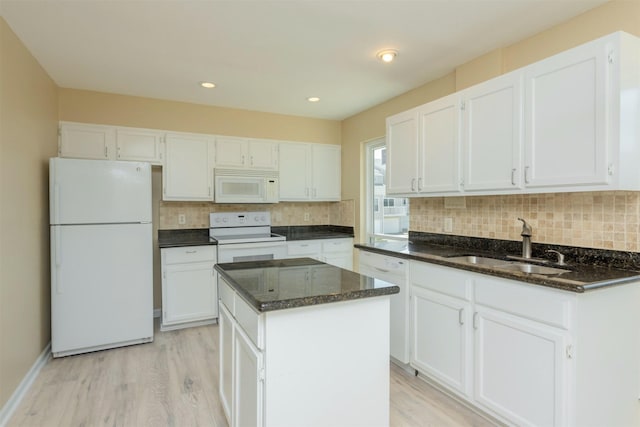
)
(306, 216)
(448, 225)
(182, 219)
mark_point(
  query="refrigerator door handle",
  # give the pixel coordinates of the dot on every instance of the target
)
(58, 257)
(56, 203)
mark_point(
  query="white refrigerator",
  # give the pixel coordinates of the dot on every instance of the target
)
(101, 255)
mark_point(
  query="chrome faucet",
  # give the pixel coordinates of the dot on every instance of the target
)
(526, 233)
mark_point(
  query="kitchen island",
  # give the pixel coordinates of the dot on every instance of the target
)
(303, 343)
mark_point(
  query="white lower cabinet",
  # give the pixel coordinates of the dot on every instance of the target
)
(249, 387)
(528, 355)
(441, 352)
(189, 291)
(521, 368)
(227, 338)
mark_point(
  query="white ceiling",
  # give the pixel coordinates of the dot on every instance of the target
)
(268, 55)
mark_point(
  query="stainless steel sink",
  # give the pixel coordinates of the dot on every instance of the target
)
(507, 265)
(533, 269)
(478, 260)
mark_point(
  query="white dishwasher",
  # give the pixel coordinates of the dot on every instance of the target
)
(393, 270)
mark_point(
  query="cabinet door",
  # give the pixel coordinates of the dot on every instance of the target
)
(402, 153)
(566, 110)
(139, 145)
(520, 369)
(493, 134)
(441, 338)
(87, 141)
(187, 173)
(294, 171)
(263, 155)
(189, 293)
(248, 384)
(231, 152)
(439, 145)
(226, 338)
(326, 170)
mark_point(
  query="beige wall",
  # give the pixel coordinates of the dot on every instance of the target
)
(613, 16)
(109, 109)
(28, 137)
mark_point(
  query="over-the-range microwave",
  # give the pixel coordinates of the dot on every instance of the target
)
(245, 186)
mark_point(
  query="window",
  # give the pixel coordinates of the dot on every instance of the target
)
(387, 217)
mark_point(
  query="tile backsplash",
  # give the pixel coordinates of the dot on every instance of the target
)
(284, 213)
(605, 220)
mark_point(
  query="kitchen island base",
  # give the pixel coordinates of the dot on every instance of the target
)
(317, 365)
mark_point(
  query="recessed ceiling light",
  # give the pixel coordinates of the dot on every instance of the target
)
(207, 85)
(313, 99)
(387, 55)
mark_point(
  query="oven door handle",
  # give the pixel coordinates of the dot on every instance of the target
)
(252, 245)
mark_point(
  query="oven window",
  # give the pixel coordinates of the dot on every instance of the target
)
(265, 257)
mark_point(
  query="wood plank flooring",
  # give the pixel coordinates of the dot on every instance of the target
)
(174, 382)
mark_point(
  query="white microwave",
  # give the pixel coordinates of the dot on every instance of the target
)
(245, 186)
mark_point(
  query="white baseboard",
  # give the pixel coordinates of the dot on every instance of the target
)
(14, 401)
(157, 312)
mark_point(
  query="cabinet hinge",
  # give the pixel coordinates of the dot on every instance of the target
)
(569, 351)
(462, 105)
(261, 374)
(610, 169)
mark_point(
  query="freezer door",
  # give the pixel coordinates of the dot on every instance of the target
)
(99, 191)
(101, 286)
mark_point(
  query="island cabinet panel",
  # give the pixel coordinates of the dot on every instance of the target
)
(304, 356)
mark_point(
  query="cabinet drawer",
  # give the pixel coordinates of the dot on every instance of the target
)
(522, 299)
(189, 254)
(250, 322)
(445, 280)
(304, 247)
(337, 245)
(383, 265)
(227, 296)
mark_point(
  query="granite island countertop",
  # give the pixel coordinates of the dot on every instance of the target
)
(588, 270)
(280, 284)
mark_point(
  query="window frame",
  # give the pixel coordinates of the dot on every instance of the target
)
(371, 235)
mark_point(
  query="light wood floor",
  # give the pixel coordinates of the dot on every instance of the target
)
(174, 382)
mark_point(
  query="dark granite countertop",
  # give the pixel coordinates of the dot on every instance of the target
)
(280, 284)
(184, 237)
(312, 232)
(589, 268)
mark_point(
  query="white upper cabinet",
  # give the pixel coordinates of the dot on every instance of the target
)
(566, 112)
(86, 141)
(566, 123)
(439, 145)
(310, 172)
(246, 153)
(492, 134)
(402, 152)
(142, 145)
(188, 170)
(423, 148)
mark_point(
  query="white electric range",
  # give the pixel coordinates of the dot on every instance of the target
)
(245, 236)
